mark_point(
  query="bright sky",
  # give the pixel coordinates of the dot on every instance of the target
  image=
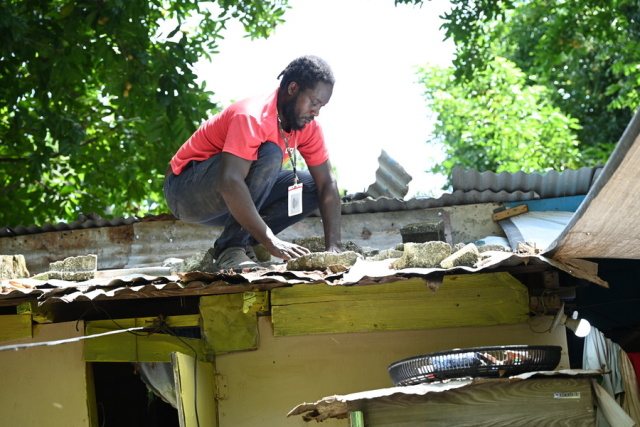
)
(373, 48)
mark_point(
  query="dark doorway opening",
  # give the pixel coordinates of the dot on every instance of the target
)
(123, 400)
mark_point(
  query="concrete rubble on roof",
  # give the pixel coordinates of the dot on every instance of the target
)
(78, 268)
(13, 267)
(467, 255)
(423, 255)
(200, 261)
(316, 244)
(422, 232)
(323, 260)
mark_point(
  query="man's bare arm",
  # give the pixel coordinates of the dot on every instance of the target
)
(329, 204)
(231, 185)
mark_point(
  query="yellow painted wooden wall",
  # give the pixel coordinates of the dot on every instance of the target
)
(461, 300)
(47, 385)
(260, 387)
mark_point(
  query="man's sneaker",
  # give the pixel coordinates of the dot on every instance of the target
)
(252, 255)
(235, 259)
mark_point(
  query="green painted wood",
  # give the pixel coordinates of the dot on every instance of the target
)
(15, 326)
(225, 325)
(196, 390)
(461, 300)
(356, 419)
(38, 314)
(140, 346)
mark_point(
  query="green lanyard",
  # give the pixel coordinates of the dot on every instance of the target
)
(292, 153)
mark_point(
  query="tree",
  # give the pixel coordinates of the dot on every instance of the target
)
(497, 122)
(97, 95)
(586, 53)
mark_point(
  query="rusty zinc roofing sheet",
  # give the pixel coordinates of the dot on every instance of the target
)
(118, 284)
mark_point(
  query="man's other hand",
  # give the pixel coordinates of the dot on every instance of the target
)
(285, 250)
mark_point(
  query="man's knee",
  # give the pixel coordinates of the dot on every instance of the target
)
(270, 150)
(269, 159)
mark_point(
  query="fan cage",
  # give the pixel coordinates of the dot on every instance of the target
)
(477, 362)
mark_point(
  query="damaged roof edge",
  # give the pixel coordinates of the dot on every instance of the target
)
(627, 148)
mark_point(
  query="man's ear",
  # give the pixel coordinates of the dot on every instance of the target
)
(293, 88)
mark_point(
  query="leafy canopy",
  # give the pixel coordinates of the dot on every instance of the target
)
(96, 96)
(576, 65)
(497, 122)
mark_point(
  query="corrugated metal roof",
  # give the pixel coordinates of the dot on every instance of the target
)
(457, 198)
(546, 185)
(368, 205)
(138, 286)
(391, 179)
(470, 187)
(83, 223)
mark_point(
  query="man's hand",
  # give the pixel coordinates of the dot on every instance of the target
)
(285, 250)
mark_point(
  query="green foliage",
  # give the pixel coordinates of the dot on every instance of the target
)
(497, 122)
(588, 52)
(585, 53)
(96, 96)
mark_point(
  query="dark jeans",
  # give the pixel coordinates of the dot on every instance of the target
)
(191, 198)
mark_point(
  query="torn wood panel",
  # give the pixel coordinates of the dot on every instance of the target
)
(225, 325)
(582, 269)
(15, 326)
(461, 300)
(140, 346)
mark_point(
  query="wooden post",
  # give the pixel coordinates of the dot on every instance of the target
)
(356, 419)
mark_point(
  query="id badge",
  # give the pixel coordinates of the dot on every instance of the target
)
(295, 199)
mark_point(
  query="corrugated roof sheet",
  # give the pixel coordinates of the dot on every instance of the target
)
(546, 185)
(391, 179)
(457, 198)
(133, 285)
(368, 205)
(470, 187)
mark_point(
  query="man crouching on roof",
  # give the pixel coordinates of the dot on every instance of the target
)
(229, 172)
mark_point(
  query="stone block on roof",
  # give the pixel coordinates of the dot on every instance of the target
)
(466, 256)
(13, 267)
(423, 255)
(422, 232)
(320, 261)
(77, 269)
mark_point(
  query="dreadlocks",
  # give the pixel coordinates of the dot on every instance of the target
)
(306, 71)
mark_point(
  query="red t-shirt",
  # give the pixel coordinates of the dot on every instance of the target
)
(242, 127)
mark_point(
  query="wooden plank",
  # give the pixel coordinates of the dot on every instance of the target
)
(39, 314)
(226, 327)
(195, 389)
(544, 402)
(508, 213)
(15, 326)
(140, 346)
(461, 300)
